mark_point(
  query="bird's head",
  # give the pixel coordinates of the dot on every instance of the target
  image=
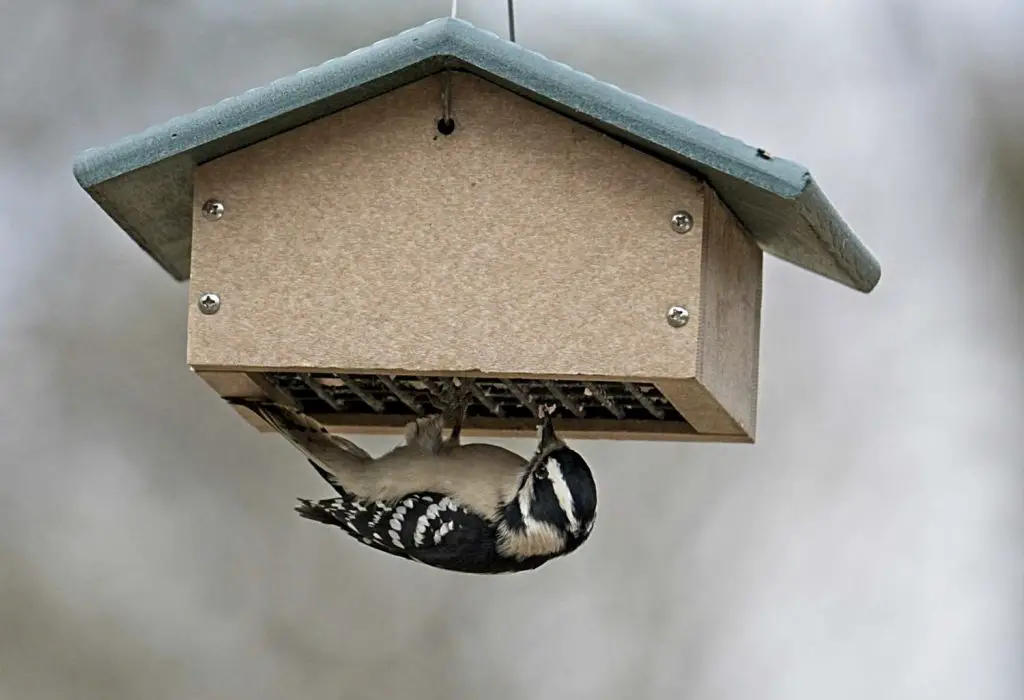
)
(555, 507)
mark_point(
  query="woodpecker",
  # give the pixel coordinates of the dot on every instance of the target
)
(471, 508)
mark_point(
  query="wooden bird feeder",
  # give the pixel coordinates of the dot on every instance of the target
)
(445, 203)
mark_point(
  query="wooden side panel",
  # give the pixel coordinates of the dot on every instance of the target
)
(727, 364)
(722, 398)
(523, 244)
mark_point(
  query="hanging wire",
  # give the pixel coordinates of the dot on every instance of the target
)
(511, 20)
(446, 125)
(511, 17)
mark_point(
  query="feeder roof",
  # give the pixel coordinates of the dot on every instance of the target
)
(144, 182)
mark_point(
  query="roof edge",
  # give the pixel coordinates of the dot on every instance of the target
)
(143, 181)
(481, 50)
(235, 113)
(578, 94)
(850, 254)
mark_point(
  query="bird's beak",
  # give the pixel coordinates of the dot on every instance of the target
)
(546, 432)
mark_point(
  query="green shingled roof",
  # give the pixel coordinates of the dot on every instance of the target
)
(144, 182)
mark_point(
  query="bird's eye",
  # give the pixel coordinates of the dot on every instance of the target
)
(541, 472)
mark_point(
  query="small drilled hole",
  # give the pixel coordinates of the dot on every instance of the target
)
(446, 126)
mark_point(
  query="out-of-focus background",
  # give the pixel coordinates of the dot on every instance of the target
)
(868, 546)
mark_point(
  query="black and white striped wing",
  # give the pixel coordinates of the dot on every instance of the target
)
(426, 527)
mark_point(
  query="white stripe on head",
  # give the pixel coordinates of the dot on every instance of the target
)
(525, 503)
(562, 492)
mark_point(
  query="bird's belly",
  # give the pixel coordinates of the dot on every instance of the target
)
(479, 476)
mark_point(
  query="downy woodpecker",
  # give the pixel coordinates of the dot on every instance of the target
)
(472, 508)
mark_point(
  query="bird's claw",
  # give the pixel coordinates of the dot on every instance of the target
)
(456, 404)
(454, 396)
(427, 431)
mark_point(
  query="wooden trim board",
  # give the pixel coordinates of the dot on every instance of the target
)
(516, 428)
(239, 385)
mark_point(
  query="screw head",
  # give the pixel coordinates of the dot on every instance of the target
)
(209, 303)
(682, 222)
(677, 316)
(213, 209)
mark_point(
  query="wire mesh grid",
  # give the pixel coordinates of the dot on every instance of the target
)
(406, 395)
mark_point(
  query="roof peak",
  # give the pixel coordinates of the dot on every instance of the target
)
(144, 181)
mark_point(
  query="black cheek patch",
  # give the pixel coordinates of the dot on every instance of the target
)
(581, 484)
(545, 507)
(584, 492)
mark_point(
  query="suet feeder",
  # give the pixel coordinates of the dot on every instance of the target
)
(445, 203)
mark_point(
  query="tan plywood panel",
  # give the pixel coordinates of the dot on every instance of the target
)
(522, 244)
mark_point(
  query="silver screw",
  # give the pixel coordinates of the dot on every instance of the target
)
(677, 316)
(209, 303)
(213, 209)
(682, 222)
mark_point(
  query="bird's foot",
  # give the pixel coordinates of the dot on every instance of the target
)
(456, 405)
(427, 432)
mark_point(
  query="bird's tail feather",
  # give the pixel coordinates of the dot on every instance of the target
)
(332, 452)
(311, 510)
(329, 478)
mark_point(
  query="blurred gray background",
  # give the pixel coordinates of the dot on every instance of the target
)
(868, 546)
